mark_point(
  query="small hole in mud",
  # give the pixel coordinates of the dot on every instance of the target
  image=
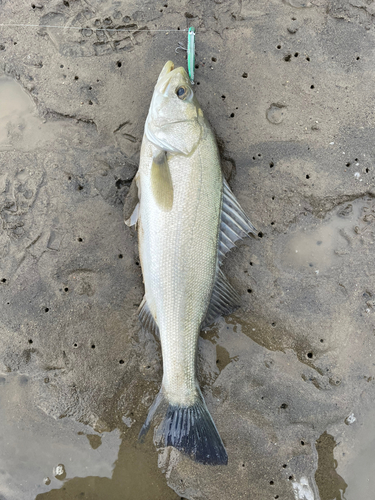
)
(307, 59)
(90, 103)
(272, 164)
(367, 170)
(249, 290)
(250, 263)
(290, 478)
(80, 187)
(348, 164)
(46, 309)
(243, 465)
(254, 158)
(273, 197)
(119, 64)
(15, 43)
(312, 86)
(355, 159)
(232, 115)
(3, 280)
(61, 65)
(272, 223)
(75, 345)
(284, 406)
(271, 483)
(244, 75)
(259, 155)
(287, 58)
(120, 256)
(66, 289)
(90, 88)
(357, 58)
(121, 361)
(198, 83)
(296, 54)
(178, 28)
(33, 5)
(303, 443)
(79, 239)
(137, 263)
(223, 97)
(217, 361)
(307, 176)
(66, 3)
(196, 66)
(278, 47)
(276, 496)
(322, 340)
(273, 324)
(260, 234)
(285, 466)
(76, 78)
(30, 341)
(93, 346)
(213, 59)
(310, 355)
(69, 178)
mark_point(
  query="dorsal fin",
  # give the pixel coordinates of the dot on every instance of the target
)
(224, 299)
(147, 320)
(235, 224)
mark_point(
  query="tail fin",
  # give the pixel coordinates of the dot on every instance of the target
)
(189, 429)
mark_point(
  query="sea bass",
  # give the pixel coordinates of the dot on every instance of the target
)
(188, 219)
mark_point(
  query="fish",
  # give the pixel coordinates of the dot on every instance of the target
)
(187, 219)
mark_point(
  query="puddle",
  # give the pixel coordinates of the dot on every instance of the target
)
(22, 129)
(317, 249)
(356, 463)
(45, 458)
(331, 485)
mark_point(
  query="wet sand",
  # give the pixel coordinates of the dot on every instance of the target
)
(289, 377)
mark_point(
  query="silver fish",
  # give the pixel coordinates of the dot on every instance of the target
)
(188, 219)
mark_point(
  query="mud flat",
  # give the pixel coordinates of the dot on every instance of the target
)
(289, 377)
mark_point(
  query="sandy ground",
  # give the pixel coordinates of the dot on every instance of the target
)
(289, 378)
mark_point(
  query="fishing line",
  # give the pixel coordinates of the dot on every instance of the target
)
(87, 28)
(190, 45)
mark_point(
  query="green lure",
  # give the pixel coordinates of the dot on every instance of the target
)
(191, 53)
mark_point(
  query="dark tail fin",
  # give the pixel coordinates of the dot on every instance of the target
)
(189, 429)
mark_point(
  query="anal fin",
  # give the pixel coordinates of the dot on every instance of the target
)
(147, 320)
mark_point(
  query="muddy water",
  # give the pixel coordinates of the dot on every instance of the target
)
(316, 249)
(45, 458)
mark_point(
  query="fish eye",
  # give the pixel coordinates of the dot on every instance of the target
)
(182, 92)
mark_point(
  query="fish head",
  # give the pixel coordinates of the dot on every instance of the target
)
(175, 119)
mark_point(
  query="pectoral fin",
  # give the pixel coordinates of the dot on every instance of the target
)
(161, 181)
(131, 204)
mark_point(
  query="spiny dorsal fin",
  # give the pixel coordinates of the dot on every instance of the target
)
(161, 181)
(224, 300)
(147, 320)
(235, 224)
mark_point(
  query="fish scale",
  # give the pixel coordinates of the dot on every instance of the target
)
(188, 219)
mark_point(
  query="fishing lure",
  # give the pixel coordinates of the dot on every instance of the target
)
(191, 53)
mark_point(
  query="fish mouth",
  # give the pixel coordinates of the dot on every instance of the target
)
(167, 73)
